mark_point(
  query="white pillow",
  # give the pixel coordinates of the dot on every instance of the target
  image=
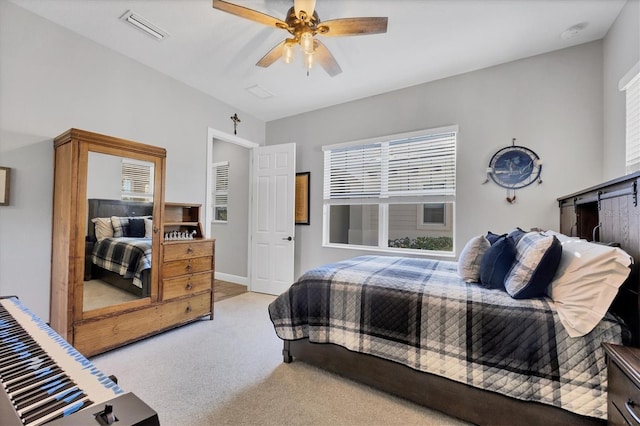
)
(471, 258)
(103, 227)
(561, 237)
(586, 282)
(148, 228)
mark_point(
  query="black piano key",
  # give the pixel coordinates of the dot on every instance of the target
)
(64, 401)
(25, 359)
(36, 377)
(8, 377)
(42, 394)
(64, 412)
(49, 381)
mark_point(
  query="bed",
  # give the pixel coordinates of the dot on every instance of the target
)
(418, 329)
(118, 244)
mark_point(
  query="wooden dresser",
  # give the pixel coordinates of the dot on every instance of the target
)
(188, 265)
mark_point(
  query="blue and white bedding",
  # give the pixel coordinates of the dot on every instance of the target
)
(420, 313)
(128, 257)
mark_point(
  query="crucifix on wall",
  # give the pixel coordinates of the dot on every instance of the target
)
(235, 120)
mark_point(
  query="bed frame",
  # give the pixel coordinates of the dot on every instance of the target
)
(456, 399)
(108, 208)
(607, 212)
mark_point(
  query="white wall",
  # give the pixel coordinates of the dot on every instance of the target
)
(232, 237)
(51, 80)
(551, 103)
(621, 50)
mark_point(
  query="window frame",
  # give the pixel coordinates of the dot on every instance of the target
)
(216, 192)
(383, 201)
(630, 84)
(146, 196)
(434, 226)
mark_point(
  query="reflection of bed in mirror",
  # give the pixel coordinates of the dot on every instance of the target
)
(123, 259)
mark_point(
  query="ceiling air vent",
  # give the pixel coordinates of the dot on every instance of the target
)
(143, 25)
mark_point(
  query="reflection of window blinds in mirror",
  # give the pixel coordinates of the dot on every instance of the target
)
(630, 83)
(220, 194)
(137, 180)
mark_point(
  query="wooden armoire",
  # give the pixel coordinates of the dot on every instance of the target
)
(178, 291)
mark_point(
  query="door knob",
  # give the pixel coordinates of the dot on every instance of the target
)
(288, 238)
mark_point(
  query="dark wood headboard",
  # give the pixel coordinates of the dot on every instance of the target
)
(610, 213)
(108, 208)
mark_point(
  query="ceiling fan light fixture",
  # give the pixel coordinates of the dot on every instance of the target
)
(288, 53)
(306, 42)
(308, 60)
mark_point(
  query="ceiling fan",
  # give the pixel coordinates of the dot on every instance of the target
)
(303, 23)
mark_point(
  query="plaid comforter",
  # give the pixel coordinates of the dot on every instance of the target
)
(127, 257)
(418, 312)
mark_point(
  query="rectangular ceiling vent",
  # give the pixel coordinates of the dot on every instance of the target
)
(143, 25)
(259, 91)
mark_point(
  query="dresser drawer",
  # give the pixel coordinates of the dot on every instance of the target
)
(98, 335)
(624, 395)
(186, 285)
(178, 250)
(189, 266)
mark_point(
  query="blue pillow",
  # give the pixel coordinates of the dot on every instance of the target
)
(493, 237)
(497, 262)
(516, 234)
(537, 260)
(135, 228)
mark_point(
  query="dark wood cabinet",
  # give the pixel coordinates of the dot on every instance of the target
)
(607, 213)
(623, 400)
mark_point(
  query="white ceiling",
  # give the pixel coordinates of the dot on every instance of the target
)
(216, 52)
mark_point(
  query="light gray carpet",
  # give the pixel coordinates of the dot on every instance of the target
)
(229, 371)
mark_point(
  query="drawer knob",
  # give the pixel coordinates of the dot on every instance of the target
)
(188, 268)
(188, 310)
(629, 405)
(190, 250)
(188, 286)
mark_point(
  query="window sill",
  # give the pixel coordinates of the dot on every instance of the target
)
(397, 252)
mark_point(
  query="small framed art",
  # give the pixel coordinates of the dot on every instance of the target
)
(302, 198)
(5, 185)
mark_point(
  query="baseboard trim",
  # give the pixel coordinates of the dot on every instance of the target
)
(236, 279)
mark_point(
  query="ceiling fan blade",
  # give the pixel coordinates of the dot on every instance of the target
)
(272, 56)
(308, 6)
(247, 13)
(326, 59)
(353, 26)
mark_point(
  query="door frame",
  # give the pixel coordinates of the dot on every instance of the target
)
(234, 139)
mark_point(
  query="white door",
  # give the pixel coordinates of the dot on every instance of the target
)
(273, 226)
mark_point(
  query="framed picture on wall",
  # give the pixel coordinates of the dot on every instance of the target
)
(302, 198)
(5, 185)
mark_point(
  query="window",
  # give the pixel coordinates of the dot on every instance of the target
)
(630, 83)
(220, 195)
(394, 193)
(137, 180)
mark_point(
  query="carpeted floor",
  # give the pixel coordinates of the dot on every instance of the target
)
(229, 371)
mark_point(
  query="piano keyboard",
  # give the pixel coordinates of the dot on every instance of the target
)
(43, 377)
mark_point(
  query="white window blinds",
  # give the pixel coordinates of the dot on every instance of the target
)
(630, 83)
(220, 195)
(423, 165)
(137, 180)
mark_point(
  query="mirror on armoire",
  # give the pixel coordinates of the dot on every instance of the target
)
(119, 231)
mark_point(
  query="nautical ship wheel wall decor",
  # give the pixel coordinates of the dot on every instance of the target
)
(514, 167)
